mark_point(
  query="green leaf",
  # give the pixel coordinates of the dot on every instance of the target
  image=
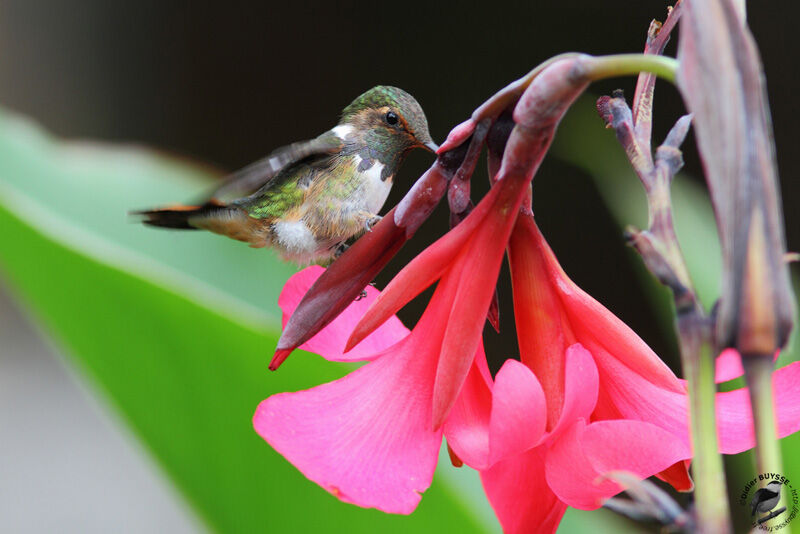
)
(176, 330)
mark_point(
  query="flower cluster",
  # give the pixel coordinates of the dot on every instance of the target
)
(588, 398)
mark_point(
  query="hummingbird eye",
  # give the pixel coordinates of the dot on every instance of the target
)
(391, 118)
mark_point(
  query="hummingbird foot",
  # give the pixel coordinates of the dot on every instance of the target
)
(372, 221)
(363, 293)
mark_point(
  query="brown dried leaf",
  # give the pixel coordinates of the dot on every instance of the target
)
(722, 83)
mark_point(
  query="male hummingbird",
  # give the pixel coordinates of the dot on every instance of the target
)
(313, 196)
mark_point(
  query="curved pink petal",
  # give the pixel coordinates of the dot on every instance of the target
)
(467, 426)
(520, 496)
(593, 322)
(463, 331)
(729, 365)
(581, 386)
(627, 394)
(457, 135)
(367, 437)
(735, 419)
(576, 462)
(519, 412)
(330, 341)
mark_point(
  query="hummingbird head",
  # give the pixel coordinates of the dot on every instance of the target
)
(391, 120)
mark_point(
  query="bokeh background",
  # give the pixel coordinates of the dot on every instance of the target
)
(225, 83)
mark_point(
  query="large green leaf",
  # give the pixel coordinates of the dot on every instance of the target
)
(176, 331)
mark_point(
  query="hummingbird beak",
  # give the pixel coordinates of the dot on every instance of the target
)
(430, 145)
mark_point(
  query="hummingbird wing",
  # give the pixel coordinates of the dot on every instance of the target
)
(253, 177)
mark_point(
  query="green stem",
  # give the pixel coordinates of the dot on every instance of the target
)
(629, 64)
(758, 375)
(711, 505)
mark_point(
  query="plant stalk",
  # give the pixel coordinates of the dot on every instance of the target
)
(711, 504)
(758, 371)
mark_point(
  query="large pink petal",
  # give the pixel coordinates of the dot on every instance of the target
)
(366, 438)
(330, 341)
(624, 394)
(519, 412)
(581, 388)
(518, 491)
(735, 419)
(577, 461)
(627, 394)
(467, 427)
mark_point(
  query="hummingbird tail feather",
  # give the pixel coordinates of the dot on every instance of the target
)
(179, 216)
(213, 216)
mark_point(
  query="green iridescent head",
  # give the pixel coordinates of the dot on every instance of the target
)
(391, 109)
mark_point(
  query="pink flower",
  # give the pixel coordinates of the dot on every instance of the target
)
(367, 438)
(588, 398)
(370, 440)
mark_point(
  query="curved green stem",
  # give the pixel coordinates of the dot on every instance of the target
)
(630, 64)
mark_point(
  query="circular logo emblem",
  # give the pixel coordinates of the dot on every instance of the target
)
(769, 497)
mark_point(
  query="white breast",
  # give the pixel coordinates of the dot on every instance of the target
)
(376, 191)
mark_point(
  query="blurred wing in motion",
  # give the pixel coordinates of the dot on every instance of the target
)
(257, 174)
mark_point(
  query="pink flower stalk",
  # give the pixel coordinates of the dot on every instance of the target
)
(588, 398)
(367, 438)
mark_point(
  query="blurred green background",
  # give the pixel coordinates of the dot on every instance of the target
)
(173, 331)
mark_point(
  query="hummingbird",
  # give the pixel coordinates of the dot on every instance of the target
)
(306, 200)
